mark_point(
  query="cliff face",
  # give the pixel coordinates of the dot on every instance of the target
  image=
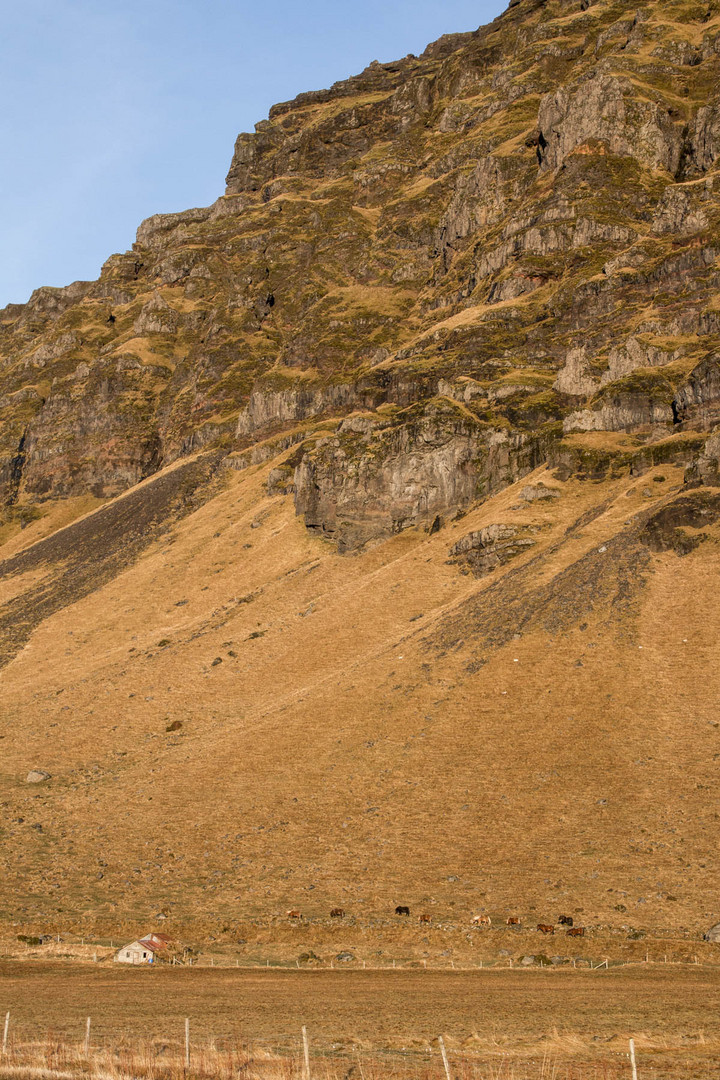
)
(430, 275)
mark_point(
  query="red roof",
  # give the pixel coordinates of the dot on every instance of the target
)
(155, 942)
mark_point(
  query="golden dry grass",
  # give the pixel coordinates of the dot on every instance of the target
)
(352, 748)
(369, 1024)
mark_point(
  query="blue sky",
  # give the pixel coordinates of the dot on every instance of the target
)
(113, 111)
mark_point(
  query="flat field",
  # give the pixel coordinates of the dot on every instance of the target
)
(672, 1013)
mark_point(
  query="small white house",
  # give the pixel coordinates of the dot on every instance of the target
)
(143, 951)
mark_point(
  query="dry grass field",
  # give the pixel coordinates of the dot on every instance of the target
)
(237, 720)
(494, 1024)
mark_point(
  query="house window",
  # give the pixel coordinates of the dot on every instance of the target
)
(144, 955)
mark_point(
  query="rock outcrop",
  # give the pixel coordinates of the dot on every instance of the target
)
(483, 551)
(371, 479)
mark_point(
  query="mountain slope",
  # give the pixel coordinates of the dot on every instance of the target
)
(391, 479)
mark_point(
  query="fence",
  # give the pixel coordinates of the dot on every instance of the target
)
(65, 1060)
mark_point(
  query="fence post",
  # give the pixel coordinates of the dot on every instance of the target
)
(444, 1057)
(306, 1051)
(5, 1033)
(187, 1042)
(632, 1059)
(87, 1037)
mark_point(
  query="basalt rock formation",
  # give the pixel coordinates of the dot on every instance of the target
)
(453, 260)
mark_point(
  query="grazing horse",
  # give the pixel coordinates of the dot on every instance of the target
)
(545, 929)
(401, 909)
(513, 921)
(424, 918)
(337, 913)
(576, 931)
(481, 920)
(565, 920)
(293, 913)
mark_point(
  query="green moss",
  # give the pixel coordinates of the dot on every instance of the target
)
(648, 382)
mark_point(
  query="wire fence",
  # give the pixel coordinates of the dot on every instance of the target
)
(105, 951)
(292, 1056)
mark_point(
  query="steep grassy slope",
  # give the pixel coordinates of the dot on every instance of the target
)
(380, 729)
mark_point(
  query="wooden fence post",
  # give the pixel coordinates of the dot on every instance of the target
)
(306, 1051)
(87, 1036)
(632, 1059)
(187, 1042)
(444, 1057)
(5, 1033)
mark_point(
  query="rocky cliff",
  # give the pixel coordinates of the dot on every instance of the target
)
(430, 274)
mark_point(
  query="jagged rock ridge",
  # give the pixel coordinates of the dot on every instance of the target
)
(425, 279)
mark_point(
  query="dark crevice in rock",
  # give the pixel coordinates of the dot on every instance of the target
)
(16, 466)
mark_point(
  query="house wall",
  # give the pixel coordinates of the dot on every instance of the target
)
(134, 954)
